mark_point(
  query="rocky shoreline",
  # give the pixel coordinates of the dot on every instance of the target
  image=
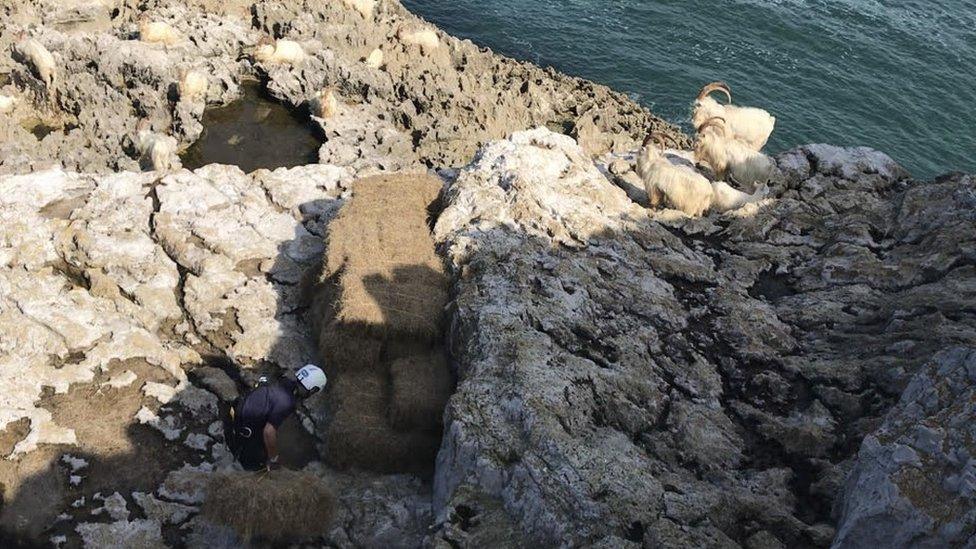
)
(797, 373)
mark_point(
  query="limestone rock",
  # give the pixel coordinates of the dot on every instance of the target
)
(914, 481)
(634, 376)
(124, 533)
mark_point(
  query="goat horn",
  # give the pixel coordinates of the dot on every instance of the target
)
(656, 137)
(713, 121)
(714, 87)
(659, 139)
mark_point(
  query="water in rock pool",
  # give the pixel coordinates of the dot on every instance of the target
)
(892, 75)
(254, 132)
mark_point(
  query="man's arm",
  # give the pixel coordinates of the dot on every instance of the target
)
(271, 443)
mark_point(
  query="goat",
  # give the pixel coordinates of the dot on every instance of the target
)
(731, 159)
(683, 187)
(326, 103)
(7, 103)
(364, 7)
(281, 51)
(159, 149)
(40, 60)
(727, 197)
(193, 84)
(375, 59)
(157, 32)
(425, 38)
(750, 125)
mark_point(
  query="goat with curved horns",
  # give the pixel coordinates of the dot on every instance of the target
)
(750, 125)
(683, 187)
(731, 159)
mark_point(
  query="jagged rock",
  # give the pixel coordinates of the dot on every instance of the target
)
(646, 377)
(218, 382)
(627, 377)
(387, 511)
(434, 109)
(914, 481)
(186, 485)
(124, 533)
(115, 507)
(165, 512)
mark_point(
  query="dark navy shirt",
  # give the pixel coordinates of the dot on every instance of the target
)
(269, 404)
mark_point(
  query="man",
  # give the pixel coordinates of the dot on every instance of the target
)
(257, 416)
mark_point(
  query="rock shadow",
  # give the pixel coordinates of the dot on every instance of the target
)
(116, 486)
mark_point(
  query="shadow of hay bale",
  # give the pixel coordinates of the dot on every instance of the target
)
(420, 386)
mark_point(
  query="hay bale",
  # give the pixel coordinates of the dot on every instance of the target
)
(361, 392)
(349, 349)
(365, 441)
(360, 436)
(395, 349)
(420, 386)
(380, 254)
(278, 505)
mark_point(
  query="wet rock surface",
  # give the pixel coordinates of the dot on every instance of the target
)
(666, 381)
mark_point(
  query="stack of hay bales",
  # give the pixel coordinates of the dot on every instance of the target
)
(380, 303)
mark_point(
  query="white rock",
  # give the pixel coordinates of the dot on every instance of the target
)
(167, 426)
(141, 533)
(165, 512)
(160, 391)
(74, 463)
(197, 441)
(115, 506)
(216, 429)
(186, 484)
(123, 379)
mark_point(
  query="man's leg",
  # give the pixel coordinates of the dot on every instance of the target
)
(252, 455)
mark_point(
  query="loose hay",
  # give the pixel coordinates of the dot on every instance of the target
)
(277, 505)
(420, 387)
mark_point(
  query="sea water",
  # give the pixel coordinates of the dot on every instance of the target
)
(896, 75)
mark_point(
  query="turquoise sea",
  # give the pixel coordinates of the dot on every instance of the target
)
(896, 75)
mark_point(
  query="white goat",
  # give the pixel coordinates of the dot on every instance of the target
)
(731, 159)
(159, 149)
(727, 198)
(750, 125)
(425, 38)
(157, 32)
(40, 60)
(375, 59)
(193, 84)
(683, 187)
(364, 7)
(326, 103)
(282, 51)
(7, 103)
